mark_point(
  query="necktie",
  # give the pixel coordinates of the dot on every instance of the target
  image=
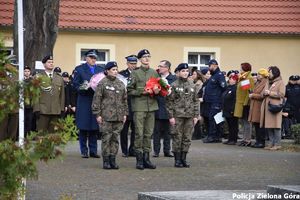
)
(50, 75)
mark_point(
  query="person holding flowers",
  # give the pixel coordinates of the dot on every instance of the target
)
(183, 110)
(144, 105)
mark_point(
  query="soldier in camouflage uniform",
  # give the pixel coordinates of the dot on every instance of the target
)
(183, 109)
(110, 107)
(143, 107)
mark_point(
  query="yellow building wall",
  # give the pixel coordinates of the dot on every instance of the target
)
(260, 51)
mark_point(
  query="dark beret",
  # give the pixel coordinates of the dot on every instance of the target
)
(110, 65)
(182, 66)
(65, 74)
(46, 58)
(57, 69)
(294, 78)
(142, 52)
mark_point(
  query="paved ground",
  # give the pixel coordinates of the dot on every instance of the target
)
(214, 167)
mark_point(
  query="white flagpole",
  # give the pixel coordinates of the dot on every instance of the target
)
(21, 77)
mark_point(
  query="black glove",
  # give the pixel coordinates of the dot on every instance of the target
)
(37, 114)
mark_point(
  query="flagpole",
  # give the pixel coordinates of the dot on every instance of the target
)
(21, 77)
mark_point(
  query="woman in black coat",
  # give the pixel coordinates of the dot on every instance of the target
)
(228, 103)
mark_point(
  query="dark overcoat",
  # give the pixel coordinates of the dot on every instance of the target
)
(85, 119)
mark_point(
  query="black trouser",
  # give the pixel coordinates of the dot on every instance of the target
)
(260, 134)
(28, 117)
(197, 134)
(124, 137)
(161, 130)
(233, 128)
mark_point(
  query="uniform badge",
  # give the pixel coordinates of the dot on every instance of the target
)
(117, 91)
(192, 89)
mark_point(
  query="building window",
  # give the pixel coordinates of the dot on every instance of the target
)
(198, 57)
(199, 60)
(102, 59)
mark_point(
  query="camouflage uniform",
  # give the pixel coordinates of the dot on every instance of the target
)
(183, 105)
(110, 102)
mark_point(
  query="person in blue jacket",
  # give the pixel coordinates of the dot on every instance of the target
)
(85, 119)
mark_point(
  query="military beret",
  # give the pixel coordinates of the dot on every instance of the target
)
(92, 53)
(65, 74)
(294, 78)
(57, 69)
(131, 58)
(212, 62)
(46, 58)
(110, 65)
(182, 66)
(142, 52)
(231, 72)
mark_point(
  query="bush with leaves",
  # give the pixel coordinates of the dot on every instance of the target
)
(17, 163)
(296, 133)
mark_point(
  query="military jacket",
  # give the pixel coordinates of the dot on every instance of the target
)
(110, 99)
(136, 84)
(183, 100)
(52, 99)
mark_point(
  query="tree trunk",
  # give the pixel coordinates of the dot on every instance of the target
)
(40, 29)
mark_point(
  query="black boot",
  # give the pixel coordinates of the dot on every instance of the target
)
(177, 156)
(147, 162)
(139, 160)
(106, 164)
(183, 160)
(112, 162)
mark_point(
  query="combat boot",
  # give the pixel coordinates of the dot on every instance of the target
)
(147, 162)
(177, 156)
(112, 162)
(183, 160)
(106, 164)
(139, 161)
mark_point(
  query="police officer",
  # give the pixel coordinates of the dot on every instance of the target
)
(143, 106)
(131, 65)
(85, 119)
(51, 103)
(215, 86)
(110, 107)
(162, 125)
(293, 94)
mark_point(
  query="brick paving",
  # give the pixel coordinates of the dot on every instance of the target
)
(214, 167)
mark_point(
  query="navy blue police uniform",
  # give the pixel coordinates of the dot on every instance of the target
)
(216, 85)
(85, 120)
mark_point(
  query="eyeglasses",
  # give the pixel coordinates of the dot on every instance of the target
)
(148, 56)
(162, 66)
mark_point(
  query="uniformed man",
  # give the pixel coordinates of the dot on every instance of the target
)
(162, 124)
(85, 120)
(28, 109)
(292, 94)
(110, 107)
(143, 107)
(215, 86)
(183, 109)
(51, 103)
(131, 65)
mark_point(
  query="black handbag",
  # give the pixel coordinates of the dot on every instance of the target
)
(276, 108)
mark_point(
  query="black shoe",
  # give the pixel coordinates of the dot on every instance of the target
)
(217, 141)
(155, 155)
(146, 161)
(93, 155)
(168, 154)
(257, 145)
(106, 164)
(183, 160)
(112, 162)
(207, 140)
(178, 162)
(84, 155)
(139, 161)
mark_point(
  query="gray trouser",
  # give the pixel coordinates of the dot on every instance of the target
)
(246, 130)
(274, 136)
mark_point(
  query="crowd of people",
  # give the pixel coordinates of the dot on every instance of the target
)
(207, 104)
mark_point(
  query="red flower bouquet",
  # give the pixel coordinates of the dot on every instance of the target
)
(160, 84)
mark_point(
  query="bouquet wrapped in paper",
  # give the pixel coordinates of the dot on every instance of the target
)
(159, 84)
(94, 81)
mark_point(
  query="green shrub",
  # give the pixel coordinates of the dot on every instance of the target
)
(296, 133)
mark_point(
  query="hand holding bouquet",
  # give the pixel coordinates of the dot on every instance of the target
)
(157, 86)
